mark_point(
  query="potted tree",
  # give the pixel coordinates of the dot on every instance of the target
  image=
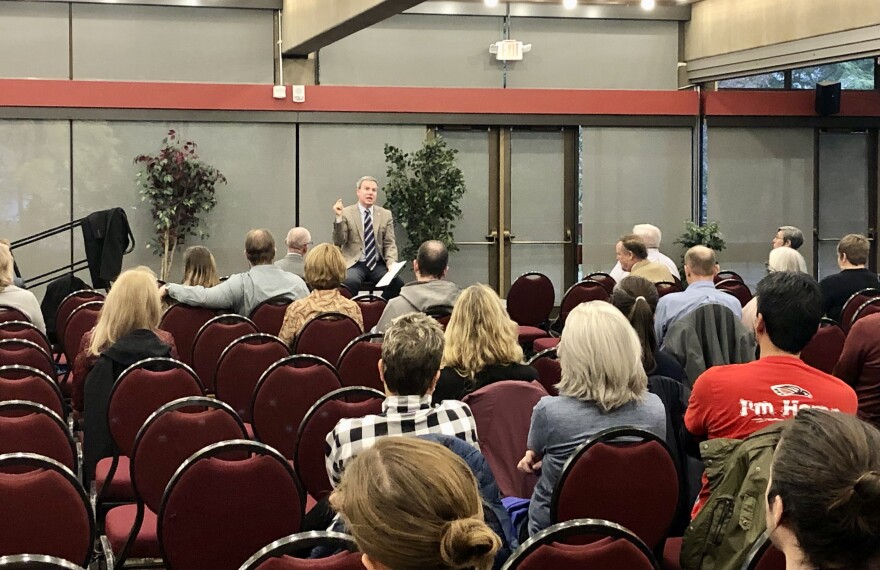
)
(423, 192)
(181, 190)
(709, 235)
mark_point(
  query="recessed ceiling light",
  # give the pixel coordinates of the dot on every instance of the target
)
(570, 4)
(490, 3)
(648, 4)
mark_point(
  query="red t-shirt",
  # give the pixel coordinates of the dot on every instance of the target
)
(737, 400)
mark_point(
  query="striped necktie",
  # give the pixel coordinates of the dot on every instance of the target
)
(369, 241)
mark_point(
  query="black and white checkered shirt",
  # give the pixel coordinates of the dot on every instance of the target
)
(401, 415)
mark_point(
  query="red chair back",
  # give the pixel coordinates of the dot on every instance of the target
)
(440, 313)
(824, 349)
(261, 502)
(26, 427)
(372, 307)
(530, 299)
(581, 292)
(308, 453)
(283, 396)
(212, 339)
(359, 362)
(667, 287)
(67, 306)
(284, 554)
(606, 280)
(851, 306)
(632, 483)
(81, 320)
(25, 330)
(184, 322)
(326, 335)
(9, 313)
(344, 291)
(549, 370)
(241, 365)
(726, 275)
(764, 556)
(869, 307)
(21, 352)
(44, 510)
(32, 385)
(736, 288)
(503, 413)
(269, 314)
(36, 562)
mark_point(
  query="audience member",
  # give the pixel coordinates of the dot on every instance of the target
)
(852, 256)
(409, 368)
(651, 236)
(859, 366)
(430, 287)
(15, 296)
(700, 269)
(199, 267)
(415, 504)
(632, 255)
(603, 386)
(481, 346)
(244, 291)
(324, 271)
(298, 242)
(636, 297)
(736, 400)
(788, 236)
(781, 259)
(17, 280)
(823, 500)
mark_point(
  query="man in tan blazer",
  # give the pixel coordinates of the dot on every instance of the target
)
(632, 254)
(365, 233)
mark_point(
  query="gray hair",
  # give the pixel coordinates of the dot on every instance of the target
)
(786, 259)
(601, 357)
(650, 234)
(791, 235)
(363, 179)
(298, 237)
(411, 353)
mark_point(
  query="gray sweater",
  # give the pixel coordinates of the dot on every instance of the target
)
(418, 296)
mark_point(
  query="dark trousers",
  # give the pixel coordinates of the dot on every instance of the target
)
(358, 273)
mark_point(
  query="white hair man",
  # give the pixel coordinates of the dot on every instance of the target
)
(651, 236)
(298, 242)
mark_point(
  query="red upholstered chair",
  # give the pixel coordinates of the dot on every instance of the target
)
(852, 305)
(36, 562)
(580, 292)
(240, 366)
(549, 370)
(308, 452)
(503, 412)
(212, 339)
(764, 556)
(372, 307)
(140, 390)
(283, 554)
(26, 427)
(32, 385)
(44, 510)
(869, 307)
(583, 544)
(67, 306)
(824, 349)
(606, 280)
(25, 330)
(9, 313)
(81, 320)
(667, 287)
(625, 475)
(440, 313)
(262, 501)
(283, 396)
(359, 362)
(184, 322)
(545, 343)
(344, 291)
(736, 288)
(326, 335)
(725, 275)
(15, 351)
(170, 436)
(269, 314)
(529, 303)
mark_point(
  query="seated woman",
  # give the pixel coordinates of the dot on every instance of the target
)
(823, 499)
(324, 271)
(636, 297)
(781, 259)
(14, 296)
(603, 386)
(424, 510)
(481, 346)
(199, 267)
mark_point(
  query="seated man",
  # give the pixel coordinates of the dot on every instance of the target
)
(430, 287)
(410, 367)
(298, 241)
(632, 254)
(651, 235)
(365, 233)
(788, 236)
(699, 269)
(852, 256)
(244, 291)
(736, 400)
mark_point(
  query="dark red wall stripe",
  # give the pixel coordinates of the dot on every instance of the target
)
(746, 103)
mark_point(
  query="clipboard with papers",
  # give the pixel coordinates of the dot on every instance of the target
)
(395, 269)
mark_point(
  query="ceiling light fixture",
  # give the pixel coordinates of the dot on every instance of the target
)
(490, 3)
(570, 4)
(648, 4)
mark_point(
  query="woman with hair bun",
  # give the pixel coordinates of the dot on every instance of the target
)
(823, 500)
(413, 504)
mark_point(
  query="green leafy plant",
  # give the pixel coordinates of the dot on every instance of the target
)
(709, 235)
(181, 190)
(423, 192)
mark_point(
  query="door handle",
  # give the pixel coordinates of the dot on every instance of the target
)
(508, 236)
(492, 236)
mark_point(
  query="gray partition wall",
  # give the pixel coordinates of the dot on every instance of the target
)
(34, 40)
(759, 179)
(633, 176)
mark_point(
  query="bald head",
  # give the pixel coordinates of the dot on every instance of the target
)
(297, 240)
(700, 264)
(432, 260)
(259, 247)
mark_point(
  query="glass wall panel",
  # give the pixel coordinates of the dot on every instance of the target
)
(855, 74)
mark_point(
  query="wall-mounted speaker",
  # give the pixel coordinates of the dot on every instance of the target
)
(827, 98)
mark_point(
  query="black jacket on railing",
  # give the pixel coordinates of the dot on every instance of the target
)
(107, 237)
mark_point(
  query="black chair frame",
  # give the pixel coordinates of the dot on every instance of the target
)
(229, 317)
(328, 316)
(756, 552)
(36, 562)
(862, 307)
(31, 371)
(35, 408)
(31, 344)
(277, 300)
(546, 353)
(27, 325)
(294, 543)
(366, 337)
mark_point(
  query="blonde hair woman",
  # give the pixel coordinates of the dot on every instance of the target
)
(16, 297)
(199, 267)
(603, 386)
(324, 271)
(781, 259)
(481, 346)
(412, 504)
